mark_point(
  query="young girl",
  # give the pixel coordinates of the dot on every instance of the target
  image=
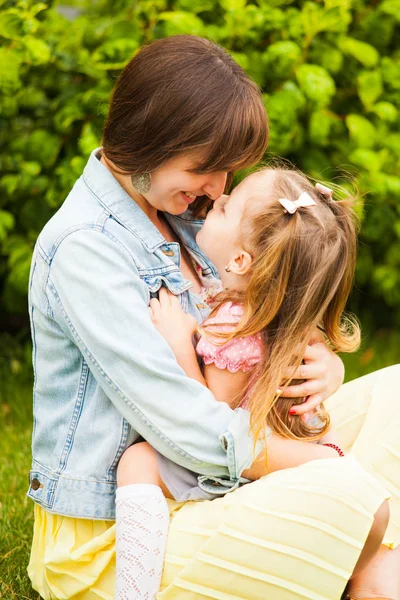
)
(286, 254)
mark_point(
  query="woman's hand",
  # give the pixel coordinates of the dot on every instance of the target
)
(323, 371)
(171, 321)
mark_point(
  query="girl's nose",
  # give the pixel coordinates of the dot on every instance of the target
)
(215, 185)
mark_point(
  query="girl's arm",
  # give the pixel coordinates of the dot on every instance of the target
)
(283, 453)
(178, 328)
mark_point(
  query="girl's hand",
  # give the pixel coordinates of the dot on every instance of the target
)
(323, 371)
(171, 321)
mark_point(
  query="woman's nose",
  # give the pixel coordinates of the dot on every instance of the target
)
(215, 185)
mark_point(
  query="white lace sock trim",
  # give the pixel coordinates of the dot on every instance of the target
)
(142, 520)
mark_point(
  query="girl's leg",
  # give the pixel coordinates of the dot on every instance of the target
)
(374, 540)
(381, 579)
(366, 414)
(142, 520)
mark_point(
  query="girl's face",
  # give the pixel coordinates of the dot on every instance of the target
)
(176, 185)
(220, 237)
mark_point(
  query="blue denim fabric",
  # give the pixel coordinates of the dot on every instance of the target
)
(103, 374)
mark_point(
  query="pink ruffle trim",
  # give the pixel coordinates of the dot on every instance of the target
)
(233, 367)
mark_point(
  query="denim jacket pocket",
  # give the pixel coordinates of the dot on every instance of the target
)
(174, 282)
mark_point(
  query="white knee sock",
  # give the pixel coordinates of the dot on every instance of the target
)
(142, 520)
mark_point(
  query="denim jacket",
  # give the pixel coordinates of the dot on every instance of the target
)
(104, 376)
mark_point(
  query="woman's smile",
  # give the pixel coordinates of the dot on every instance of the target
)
(188, 197)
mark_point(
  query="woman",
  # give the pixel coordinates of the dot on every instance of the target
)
(183, 117)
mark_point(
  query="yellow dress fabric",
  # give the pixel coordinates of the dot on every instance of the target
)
(294, 535)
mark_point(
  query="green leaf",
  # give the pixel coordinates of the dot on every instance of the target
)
(320, 127)
(363, 52)
(195, 6)
(39, 51)
(393, 186)
(369, 85)
(180, 22)
(391, 72)
(19, 260)
(32, 168)
(316, 83)
(67, 115)
(10, 183)
(10, 63)
(233, 4)
(7, 222)
(391, 7)
(114, 54)
(327, 56)
(31, 97)
(88, 140)
(367, 159)
(11, 25)
(316, 19)
(281, 57)
(386, 277)
(362, 132)
(43, 147)
(283, 106)
(241, 59)
(37, 8)
(386, 111)
(8, 106)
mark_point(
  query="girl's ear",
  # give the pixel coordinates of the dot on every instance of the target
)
(241, 263)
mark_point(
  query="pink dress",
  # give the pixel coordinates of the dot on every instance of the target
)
(239, 354)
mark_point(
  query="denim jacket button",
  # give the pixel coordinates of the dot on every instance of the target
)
(169, 252)
(35, 484)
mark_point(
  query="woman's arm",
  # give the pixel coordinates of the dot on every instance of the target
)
(177, 328)
(97, 298)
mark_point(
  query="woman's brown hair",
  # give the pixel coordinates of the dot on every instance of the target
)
(182, 94)
(300, 280)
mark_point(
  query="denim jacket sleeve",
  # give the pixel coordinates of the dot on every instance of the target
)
(99, 300)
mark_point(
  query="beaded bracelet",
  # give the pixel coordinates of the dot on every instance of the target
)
(338, 450)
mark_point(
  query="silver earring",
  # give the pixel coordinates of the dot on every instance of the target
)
(141, 183)
(227, 269)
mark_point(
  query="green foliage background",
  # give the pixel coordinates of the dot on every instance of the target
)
(329, 70)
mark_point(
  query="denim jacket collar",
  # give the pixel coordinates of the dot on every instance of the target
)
(125, 210)
(118, 202)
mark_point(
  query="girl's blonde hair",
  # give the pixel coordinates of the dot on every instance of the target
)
(300, 279)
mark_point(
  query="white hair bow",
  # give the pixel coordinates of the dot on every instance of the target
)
(291, 206)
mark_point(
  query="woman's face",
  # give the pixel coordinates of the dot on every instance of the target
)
(176, 185)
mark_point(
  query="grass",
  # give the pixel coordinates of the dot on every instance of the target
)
(15, 508)
(15, 426)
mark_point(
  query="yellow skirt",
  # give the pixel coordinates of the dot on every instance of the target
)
(295, 534)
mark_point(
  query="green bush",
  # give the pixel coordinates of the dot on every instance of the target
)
(329, 70)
